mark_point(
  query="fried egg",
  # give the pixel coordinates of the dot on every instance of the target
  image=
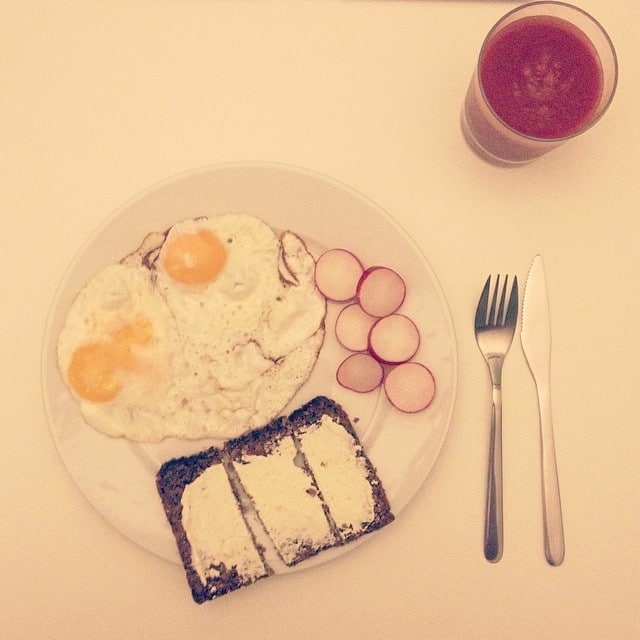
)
(208, 330)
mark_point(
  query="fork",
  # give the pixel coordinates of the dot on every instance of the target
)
(494, 329)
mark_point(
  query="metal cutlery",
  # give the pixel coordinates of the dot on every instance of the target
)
(495, 325)
(535, 336)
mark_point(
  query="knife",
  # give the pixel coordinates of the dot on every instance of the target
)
(535, 335)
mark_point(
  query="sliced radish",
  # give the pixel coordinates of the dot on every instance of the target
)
(360, 372)
(381, 291)
(338, 272)
(352, 327)
(410, 387)
(394, 339)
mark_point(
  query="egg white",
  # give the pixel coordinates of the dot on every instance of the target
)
(227, 356)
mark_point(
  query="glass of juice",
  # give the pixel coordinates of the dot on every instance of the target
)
(547, 71)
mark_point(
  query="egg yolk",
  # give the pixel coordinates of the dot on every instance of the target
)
(93, 370)
(195, 258)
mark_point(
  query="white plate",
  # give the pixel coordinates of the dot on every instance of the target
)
(118, 477)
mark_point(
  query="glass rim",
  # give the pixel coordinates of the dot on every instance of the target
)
(589, 17)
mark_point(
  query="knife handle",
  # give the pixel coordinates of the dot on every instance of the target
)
(493, 531)
(552, 509)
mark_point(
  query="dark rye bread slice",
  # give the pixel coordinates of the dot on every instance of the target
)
(263, 445)
(274, 476)
(295, 545)
(303, 421)
(171, 481)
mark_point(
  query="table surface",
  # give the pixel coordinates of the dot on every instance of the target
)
(102, 99)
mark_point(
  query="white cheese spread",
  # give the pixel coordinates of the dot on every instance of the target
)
(216, 530)
(340, 473)
(285, 499)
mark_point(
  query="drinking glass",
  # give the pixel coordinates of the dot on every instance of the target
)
(520, 100)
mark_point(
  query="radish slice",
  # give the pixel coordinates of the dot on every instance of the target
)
(381, 291)
(394, 339)
(352, 327)
(337, 274)
(360, 372)
(410, 387)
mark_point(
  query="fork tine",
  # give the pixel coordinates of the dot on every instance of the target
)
(481, 311)
(503, 296)
(492, 311)
(512, 308)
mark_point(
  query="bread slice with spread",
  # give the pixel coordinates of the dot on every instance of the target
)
(218, 549)
(271, 499)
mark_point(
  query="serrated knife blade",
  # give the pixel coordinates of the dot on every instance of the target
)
(535, 336)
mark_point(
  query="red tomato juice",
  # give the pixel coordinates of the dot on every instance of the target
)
(542, 76)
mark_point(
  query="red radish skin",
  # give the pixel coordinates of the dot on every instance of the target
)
(410, 387)
(360, 372)
(394, 339)
(337, 274)
(352, 327)
(381, 291)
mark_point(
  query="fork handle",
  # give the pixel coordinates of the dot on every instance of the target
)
(493, 531)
